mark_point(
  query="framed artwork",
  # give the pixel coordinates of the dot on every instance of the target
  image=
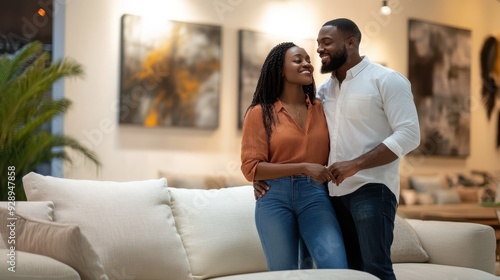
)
(170, 73)
(439, 71)
(253, 49)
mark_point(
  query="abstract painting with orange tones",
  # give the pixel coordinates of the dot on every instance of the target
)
(170, 73)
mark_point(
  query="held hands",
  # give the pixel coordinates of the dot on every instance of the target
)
(342, 170)
(336, 173)
(318, 172)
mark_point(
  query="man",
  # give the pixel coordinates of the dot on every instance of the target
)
(372, 122)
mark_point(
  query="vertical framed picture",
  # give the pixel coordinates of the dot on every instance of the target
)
(439, 71)
(253, 49)
(170, 73)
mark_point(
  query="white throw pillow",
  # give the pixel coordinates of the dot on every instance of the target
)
(218, 230)
(40, 210)
(447, 196)
(129, 224)
(61, 242)
(406, 246)
(426, 184)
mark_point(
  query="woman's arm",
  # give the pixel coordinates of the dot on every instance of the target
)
(266, 171)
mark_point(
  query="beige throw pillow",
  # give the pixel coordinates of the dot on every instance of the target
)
(40, 210)
(62, 242)
(406, 246)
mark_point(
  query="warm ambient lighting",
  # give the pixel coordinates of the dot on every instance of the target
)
(385, 9)
(41, 12)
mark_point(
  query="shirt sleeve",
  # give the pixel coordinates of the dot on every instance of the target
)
(402, 114)
(254, 145)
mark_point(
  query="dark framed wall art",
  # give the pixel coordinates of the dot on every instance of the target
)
(439, 71)
(253, 49)
(170, 73)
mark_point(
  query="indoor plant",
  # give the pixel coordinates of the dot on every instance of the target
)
(26, 78)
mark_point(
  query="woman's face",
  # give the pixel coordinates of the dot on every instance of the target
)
(297, 68)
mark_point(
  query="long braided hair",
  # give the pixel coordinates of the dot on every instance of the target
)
(270, 85)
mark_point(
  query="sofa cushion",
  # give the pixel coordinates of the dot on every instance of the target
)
(218, 230)
(427, 271)
(129, 224)
(62, 242)
(426, 184)
(41, 210)
(312, 274)
(34, 266)
(447, 196)
(406, 246)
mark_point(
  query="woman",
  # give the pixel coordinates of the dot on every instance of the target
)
(285, 142)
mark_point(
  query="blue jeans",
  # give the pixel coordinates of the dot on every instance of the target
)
(367, 218)
(298, 207)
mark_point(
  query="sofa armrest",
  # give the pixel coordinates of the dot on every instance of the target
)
(458, 244)
(24, 265)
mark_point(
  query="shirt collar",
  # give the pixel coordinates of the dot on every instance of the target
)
(278, 105)
(356, 69)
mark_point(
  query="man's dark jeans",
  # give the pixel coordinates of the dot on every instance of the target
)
(366, 217)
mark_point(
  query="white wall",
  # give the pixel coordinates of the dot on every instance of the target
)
(92, 37)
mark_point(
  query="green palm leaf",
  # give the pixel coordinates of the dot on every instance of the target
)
(26, 78)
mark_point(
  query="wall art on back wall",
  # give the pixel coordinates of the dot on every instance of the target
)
(253, 49)
(170, 73)
(439, 71)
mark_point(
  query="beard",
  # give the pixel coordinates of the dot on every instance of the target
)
(335, 61)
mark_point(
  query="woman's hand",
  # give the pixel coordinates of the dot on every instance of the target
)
(259, 189)
(318, 172)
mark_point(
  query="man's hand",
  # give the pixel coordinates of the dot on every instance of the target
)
(343, 170)
(259, 189)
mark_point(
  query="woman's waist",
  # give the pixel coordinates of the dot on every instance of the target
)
(279, 159)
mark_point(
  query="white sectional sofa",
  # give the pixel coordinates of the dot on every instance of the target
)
(144, 230)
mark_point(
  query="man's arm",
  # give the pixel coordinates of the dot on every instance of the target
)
(380, 155)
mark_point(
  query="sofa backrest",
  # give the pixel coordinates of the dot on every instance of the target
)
(147, 230)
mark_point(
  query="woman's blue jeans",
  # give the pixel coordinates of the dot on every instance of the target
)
(298, 207)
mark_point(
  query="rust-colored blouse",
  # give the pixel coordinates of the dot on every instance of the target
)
(288, 144)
